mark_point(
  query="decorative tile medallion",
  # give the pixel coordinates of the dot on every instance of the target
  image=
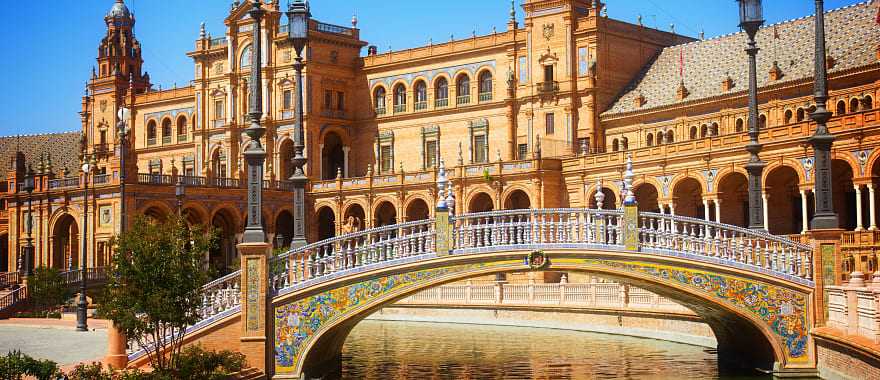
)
(253, 294)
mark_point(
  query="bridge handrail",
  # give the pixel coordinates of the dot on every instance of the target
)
(746, 231)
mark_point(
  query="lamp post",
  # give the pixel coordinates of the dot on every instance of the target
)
(82, 305)
(124, 114)
(750, 19)
(825, 217)
(298, 16)
(29, 242)
(179, 194)
(254, 154)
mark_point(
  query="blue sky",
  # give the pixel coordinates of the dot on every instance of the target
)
(50, 46)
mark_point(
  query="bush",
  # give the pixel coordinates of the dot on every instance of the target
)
(193, 363)
(39, 314)
(15, 365)
(47, 289)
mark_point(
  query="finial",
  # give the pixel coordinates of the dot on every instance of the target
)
(639, 20)
(49, 162)
(41, 166)
(430, 41)
(702, 34)
(474, 33)
(498, 154)
(672, 28)
(401, 167)
(202, 33)
(600, 195)
(354, 21)
(605, 11)
(629, 197)
(86, 90)
(512, 10)
(450, 198)
(584, 148)
(441, 186)
(338, 172)
(451, 37)
(235, 4)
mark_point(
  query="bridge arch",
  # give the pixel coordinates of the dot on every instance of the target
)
(752, 329)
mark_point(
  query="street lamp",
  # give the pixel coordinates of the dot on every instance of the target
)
(124, 114)
(88, 164)
(298, 16)
(29, 224)
(750, 20)
(179, 193)
(254, 154)
(825, 217)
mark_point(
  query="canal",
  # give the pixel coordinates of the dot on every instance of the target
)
(414, 350)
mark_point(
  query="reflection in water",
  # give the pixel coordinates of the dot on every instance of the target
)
(409, 350)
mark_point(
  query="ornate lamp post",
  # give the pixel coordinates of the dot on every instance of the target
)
(254, 154)
(29, 224)
(82, 305)
(179, 194)
(825, 217)
(124, 114)
(298, 16)
(750, 19)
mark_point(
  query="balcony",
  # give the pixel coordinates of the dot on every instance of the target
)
(485, 97)
(63, 183)
(420, 106)
(166, 140)
(547, 87)
(101, 179)
(181, 138)
(217, 42)
(191, 180)
(287, 114)
(380, 110)
(231, 183)
(399, 108)
(154, 179)
(464, 99)
(219, 123)
(441, 103)
(151, 141)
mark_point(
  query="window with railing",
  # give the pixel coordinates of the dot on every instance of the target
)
(287, 100)
(386, 158)
(485, 86)
(420, 92)
(379, 100)
(399, 98)
(151, 132)
(441, 93)
(463, 89)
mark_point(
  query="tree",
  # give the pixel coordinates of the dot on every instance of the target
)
(154, 290)
(48, 289)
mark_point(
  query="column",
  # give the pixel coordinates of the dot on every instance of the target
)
(706, 210)
(804, 222)
(345, 151)
(116, 355)
(764, 197)
(858, 189)
(873, 210)
(718, 210)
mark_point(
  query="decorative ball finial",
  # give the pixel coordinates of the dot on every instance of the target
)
(629, 196)
(512, 10)
(600, 195)
(354, 21)
(441, 186)
(450, 198)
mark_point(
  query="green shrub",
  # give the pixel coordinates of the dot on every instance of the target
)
(15, 365)
(48, 289)
(193, 363)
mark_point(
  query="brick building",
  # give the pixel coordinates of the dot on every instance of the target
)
(530, 116)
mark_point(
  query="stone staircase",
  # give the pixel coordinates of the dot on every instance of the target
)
(249, 374)
(11, 294)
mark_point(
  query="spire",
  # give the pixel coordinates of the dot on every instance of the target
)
(512, 10)
(629, 198)
(354, 21)
(202, 33)
(441, 186)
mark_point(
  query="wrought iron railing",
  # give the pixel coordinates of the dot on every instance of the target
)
(420, 106)
(225, 182)
(9, 278)
(12, 298)
(191, 180)
(440, 103)
(62, 183)
(101, 179)
(463, 99)
(155, 179)
(485, 96)
(182, 138)
(398, 108)
(219, 41)
(380, 110)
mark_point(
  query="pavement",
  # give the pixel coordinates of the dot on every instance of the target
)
(54, 339)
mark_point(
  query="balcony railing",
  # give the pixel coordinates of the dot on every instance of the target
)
(420, 106)
(63, 183)
(548, 87)
(182, 138)
(101, 179)
(335, 29)
(440, 103)
(151, 141)
(398, 108)
(166, 139)
(155, 179)
(287, 114)
(225, 182)
(380, 110)
(215, 42)
(485, 96)
(191, 180)
(331, 113)
(463, 99)
(219, 123)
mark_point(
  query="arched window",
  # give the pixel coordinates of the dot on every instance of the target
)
(841, 107)
(811, 109)
(799, 115)
(421, 95)
(786, 118)
(151, 132)
(739, 125)
(463, 89)
(485, 86)
(441, 93)
(704, 130)
(659, 136)
(868, 102)
(615, 145)
(166, 131)
(650, 139)
(762, 122)
(245, 57)
(854, 105)
(624, 143)
(399, 98)
(379, 100)
(693, 132)
(670, 137)
(713, 129)
(181, 125)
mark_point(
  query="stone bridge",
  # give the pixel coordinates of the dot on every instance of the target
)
(290, 314)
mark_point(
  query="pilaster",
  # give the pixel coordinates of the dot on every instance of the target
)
(256, 321)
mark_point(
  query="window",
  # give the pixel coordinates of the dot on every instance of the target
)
(713, 130)
(340, 100)
(786, 118)
(523, 70)
(868, 102)
(548, 73)
(615, 145)
(166, 128)
(245, 57)
(379, 100)
(287, 100)
(762, 121)
(151, 132)
(584, 145)
(670, 136)
(522, 151)
(624, 143)
(854, 105)
(328, 99)
(739, 125)
(658, 138)
(548, 124)
(399, 98)
(218, 109)
(485, 86)
(441, 93)
(431, 153)
(463, 89)
(841, 107)
(481, 149)
(583, 61)
(386, 161)
(181, 126)
(421, 95)
(704, 130)
(102, 140)
(693, 132)
(650, 139)
(800, 115)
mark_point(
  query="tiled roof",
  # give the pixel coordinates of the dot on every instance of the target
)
(64, 148)
(851, 36)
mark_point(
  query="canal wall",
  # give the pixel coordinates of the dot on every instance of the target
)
(674, 326)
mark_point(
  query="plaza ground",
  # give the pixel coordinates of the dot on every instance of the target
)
(56, 340)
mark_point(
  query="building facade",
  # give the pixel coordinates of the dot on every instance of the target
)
(539, 115)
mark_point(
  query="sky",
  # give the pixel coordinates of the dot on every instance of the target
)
(50, 46)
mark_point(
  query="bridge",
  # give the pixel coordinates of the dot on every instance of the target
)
(14, 292)
(290, 314)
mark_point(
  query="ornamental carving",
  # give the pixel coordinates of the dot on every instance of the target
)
(548, 31)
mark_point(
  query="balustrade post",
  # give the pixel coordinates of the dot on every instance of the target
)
(255, 301)
(824, 268)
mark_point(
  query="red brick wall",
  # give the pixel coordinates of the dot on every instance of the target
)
(840, 362)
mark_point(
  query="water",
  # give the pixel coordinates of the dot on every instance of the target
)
(415, 350)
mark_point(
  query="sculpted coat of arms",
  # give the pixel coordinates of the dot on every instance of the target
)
(548, 31)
